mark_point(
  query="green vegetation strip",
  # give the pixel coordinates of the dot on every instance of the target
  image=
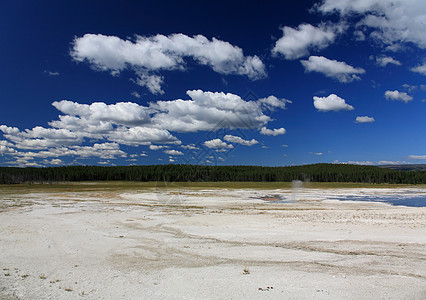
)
(195, 173)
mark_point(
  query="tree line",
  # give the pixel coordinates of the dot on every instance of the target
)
(176, 172)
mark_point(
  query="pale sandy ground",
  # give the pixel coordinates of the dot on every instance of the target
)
(195, 244)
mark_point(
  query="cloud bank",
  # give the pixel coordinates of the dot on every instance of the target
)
(107, 126)
(417, 157)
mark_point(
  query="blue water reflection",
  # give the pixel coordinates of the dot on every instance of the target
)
(412, 201)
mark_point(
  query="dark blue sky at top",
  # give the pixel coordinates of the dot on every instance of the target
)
(36, 38)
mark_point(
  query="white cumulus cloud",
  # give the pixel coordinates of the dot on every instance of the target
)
(50, 73)
(390, 22)
(239, 140)
(55, 161)
(39, 137)
(157, 147)
(371, 163)
(107, 126)
(173, 152)
(101, 150)
(121, 113)
(297, 42)
(338, 70)
(273, 132)
(217, 144)
(208, 111)
(419, 157)
(391, 162)
(421, 69)
(6, 147)
(190, 147)
(151, 82)
(364, 119)
(383, 61)
(135, 94)
(135, 136)
(273, 102)
(398, 96)
(146, 55)
(359, 35)
(331, 102)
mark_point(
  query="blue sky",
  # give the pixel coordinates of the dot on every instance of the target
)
(224, 82)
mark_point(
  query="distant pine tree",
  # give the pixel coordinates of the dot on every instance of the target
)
(314, 173)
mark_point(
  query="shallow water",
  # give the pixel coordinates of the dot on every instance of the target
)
(403, 197)
(412, 201)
